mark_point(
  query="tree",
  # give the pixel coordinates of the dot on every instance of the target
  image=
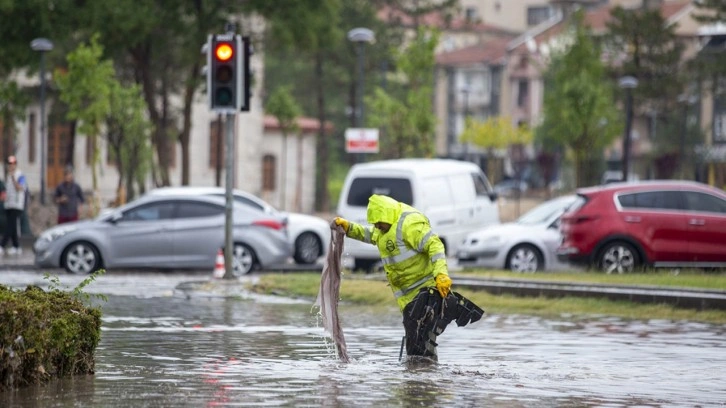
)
(283, 106)
(495, 133)
(641, 44)
(407, 117)
(579, 111)
(303, 38)
(13, 103)
(127, 133)
(86, 88)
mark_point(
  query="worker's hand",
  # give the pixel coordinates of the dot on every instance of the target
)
(443, 285)
(342, 222)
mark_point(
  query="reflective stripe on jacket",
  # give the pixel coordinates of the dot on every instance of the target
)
(412, 254)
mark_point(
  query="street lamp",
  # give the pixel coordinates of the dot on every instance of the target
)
(360, 36)
(42, 45)
(627, 83)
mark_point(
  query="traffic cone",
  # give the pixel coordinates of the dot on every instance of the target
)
(219, 268)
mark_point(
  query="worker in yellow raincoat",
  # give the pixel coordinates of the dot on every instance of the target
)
(414, 259)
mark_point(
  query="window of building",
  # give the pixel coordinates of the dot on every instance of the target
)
(470, 13)
(522, 93)
(719, 133)
(269, 164)
(31, 138)
(538, 14)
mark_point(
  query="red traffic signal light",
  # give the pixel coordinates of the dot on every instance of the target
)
(228, 72)
(223, 51)
(223, 72)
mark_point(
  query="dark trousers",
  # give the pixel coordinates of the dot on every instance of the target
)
(12, 224)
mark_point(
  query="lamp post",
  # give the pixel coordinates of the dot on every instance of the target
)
(42, 45)
(627, 83)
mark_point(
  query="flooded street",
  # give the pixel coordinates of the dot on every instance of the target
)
(162, 349)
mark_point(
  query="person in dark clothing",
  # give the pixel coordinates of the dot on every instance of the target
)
(69, 197)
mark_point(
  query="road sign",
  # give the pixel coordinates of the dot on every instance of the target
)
(360, 140)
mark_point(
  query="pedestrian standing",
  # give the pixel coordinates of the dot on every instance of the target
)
(69, 197)
(15, 187)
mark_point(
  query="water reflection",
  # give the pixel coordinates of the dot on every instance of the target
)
(177, 352)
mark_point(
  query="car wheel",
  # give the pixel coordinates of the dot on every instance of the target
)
(243, 260)
(308, 248)
(524, 258)
(81, 258)
(618, 257)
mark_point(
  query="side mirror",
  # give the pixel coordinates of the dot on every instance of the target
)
(493, 196)
(115, 217)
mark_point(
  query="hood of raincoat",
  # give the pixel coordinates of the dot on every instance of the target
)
(383, 209)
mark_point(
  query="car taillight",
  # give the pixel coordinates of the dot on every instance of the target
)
(274, 224)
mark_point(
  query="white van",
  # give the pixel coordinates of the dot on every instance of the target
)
(455, 195)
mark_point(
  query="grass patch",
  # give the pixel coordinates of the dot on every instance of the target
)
(358, 290)
(683, 279)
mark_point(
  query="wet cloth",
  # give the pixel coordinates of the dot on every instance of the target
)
(427, 315)
(329, 291)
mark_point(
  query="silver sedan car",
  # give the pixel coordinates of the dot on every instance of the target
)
(528, 244)
(158, 232)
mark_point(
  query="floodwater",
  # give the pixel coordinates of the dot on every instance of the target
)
(160, 349)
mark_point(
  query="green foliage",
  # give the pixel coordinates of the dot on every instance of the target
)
(496, 132)
(283, 106)
(406, 119)
(579, 109)
(13, 103)
(86, 88)
(128, 132)
(45, 335)
(641, 44)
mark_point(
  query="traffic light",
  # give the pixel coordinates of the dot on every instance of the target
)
(225, 72)
(246, 74)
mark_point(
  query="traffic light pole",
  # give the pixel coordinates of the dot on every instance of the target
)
(229, 180)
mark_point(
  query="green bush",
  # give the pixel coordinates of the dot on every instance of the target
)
(45, 335)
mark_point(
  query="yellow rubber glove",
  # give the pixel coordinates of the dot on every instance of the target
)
(343, 223)
(443, 285)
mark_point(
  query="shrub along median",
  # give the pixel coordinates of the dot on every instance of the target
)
(362, 289)
(46, 334)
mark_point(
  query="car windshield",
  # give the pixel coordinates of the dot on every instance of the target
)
(545, 211)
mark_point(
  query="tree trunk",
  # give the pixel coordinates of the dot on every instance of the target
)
(298, 181)
(322, 197)
(189, 90)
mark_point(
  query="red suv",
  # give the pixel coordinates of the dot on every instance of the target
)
(624, 226)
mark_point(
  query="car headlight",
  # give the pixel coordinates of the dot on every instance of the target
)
(55, 233)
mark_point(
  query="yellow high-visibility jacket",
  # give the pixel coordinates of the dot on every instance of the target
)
(412, 254)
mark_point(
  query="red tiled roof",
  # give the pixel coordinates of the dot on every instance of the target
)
(489, 52)
(598, 19)
(306, 125)
(438, 20)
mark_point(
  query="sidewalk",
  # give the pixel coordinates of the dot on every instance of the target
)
(26, 260)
